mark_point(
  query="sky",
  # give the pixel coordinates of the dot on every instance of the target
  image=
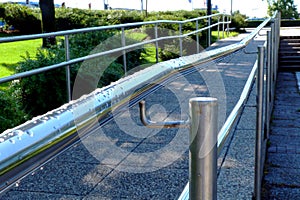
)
(252, 8)
(257, 8)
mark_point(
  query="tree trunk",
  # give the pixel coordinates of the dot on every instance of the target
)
(48, 20)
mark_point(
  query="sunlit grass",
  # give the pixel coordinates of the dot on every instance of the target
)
(225, 35)
(11, 53)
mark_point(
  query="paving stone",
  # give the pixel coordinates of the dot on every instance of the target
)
(281, 180)
(24, 195)
(289, 160)
(281, 193)
(162, 184)
(248, 122)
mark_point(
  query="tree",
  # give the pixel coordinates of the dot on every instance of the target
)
(48, 20)
(287, 8)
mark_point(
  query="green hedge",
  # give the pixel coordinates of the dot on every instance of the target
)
(21, 18)
(290, 23)
(46, 91)
(11, 113)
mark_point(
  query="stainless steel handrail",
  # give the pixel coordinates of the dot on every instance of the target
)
(262, 120)
(35, 135)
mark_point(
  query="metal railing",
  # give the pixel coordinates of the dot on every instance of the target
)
(203, 181)
(32, 144)
(44, 133)
(222, 19)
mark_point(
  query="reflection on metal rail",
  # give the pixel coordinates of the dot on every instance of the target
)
(151, 124)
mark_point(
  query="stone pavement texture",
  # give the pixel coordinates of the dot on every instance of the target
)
(124, 160)
(282, 170)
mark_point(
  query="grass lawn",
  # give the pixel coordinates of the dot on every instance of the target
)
(231, 34)
(11, 53)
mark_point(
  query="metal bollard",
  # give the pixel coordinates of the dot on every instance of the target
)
(203, 145)
(203, 148)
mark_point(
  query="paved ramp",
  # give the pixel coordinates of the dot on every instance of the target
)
(124, 160)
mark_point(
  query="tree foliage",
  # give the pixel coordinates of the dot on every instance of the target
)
(287, 8)
(238, 20)
(21, 18)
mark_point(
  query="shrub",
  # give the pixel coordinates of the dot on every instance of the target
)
(238, 21)
(11, 113)
(43, 92)
(68, 18)
(21, 18)
(73, 18)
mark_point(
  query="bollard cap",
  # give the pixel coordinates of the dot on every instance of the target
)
(203, 100)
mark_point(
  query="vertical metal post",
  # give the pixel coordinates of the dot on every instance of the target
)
(275, 44)
(156, 43)
(259, 124)
(227, 21)
(268, 102)
(197, 36)
(273, 67)
(203, 148)
(208, 13)
(275, 61)
(218, 27)
(277, 29)
(68, 76)
(209, 32)
(124, 51)
(180, 38)
(231, 13)
(223, 25)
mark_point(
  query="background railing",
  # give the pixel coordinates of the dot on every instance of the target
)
(221, 19)
(204, 186)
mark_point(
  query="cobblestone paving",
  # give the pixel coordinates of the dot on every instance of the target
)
(282, 170)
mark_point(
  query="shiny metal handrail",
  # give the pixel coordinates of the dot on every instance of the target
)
(35, 135)
(230, 121)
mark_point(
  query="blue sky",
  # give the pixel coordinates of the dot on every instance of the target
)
(252, 8)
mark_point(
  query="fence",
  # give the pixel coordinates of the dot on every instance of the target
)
(222, 19)
(203, 181)
(30, 145)
(36, 141)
